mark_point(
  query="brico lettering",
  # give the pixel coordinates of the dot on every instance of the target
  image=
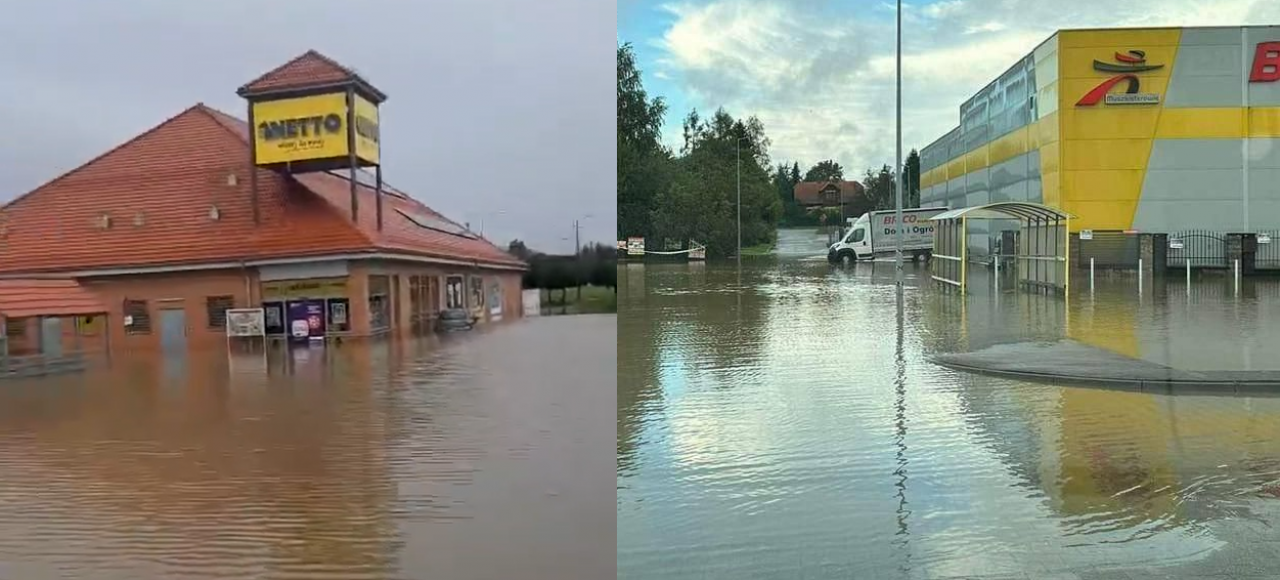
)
(301, 127)
(1266, 63)
(906, 219)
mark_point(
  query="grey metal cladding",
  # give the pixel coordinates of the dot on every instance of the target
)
(1195, 154)
(1206, 76)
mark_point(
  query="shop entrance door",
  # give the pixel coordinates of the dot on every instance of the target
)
(173, 331)
(51, 337)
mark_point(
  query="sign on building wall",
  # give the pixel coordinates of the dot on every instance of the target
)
(495, 300)
(313, 128)
(635, 246)
(531, 300)
(246, 322)
(308, 288)
(368, 140)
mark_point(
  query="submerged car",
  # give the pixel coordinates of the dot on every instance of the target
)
(455, 319)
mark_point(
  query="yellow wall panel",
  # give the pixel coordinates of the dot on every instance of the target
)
(1103, 185)
(1051, 191)
(1264, 122)
(1050, 156)
(955, 168)
(930, 177)
(1140, 38)
(1201, 123)
(1077, 63)
(1008, 146)
(1106, 154)
(976, 159)
(1102, 215)
(1110, 122)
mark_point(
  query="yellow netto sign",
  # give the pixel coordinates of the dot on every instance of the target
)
(367, 138)
(310, 128)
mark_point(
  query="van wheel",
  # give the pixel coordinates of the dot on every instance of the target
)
(848, 257)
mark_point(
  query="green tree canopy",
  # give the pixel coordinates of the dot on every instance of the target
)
(702, 203)
(827, 170)
(643, 164)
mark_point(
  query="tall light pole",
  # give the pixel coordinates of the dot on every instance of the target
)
(738, 148)
(897, 216)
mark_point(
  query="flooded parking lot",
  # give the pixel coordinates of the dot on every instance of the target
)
(778, 421)
(486, 455)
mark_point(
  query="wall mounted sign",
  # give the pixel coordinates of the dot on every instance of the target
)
(1128, 65)
(1266, 63)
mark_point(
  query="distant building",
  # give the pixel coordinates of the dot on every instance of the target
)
(814, 194)
(206, 212)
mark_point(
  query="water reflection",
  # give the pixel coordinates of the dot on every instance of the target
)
(815, 437)
(364, 461)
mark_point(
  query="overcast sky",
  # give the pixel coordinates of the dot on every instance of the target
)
(494, 105)
(820, 73)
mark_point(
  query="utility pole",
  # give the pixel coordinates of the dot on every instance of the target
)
(897, 216)
(577, 258)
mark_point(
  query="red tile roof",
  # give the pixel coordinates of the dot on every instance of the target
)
(157, 193)
(47, 297)
(810, 192)
(308, 69)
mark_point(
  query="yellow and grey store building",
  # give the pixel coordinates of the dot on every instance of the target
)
(1132, 131)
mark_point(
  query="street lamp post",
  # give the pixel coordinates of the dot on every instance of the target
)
(738, 148)
(897, 216)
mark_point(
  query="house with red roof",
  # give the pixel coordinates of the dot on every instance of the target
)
(173, 227)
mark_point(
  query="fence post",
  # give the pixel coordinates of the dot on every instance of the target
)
(1237, 277)
(1139, 276)
(1091, 275)
(1188, 276)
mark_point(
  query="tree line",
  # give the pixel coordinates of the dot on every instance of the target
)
(594, 264)
(879, 191)
(690, 193)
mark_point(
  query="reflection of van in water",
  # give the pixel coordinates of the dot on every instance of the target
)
(874, 234)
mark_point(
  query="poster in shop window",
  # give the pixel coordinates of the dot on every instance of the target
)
(495, 300)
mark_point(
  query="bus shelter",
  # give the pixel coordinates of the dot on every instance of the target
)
(1041, 249)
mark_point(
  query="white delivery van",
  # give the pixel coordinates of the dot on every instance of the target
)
(874, 234)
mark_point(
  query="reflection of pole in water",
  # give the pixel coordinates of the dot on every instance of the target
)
(900, 436)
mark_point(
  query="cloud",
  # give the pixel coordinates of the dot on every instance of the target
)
(822, 81)
(477, 88)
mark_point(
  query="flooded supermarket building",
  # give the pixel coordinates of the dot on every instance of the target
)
(152, 241)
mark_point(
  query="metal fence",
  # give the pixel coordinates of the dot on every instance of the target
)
(1200, 248)
(1109, 250)
(1268, 256)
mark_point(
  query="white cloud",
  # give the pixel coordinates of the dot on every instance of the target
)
(823, 83)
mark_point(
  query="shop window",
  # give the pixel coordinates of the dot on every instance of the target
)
(477, 293)
(273, 318)
(137, 317)
(216, 309)
(454, 293)
(338, 314)
(88, 325)
(15, 327)
(433, 294)
(379, 302)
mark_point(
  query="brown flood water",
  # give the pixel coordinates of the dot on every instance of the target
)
(487, 455)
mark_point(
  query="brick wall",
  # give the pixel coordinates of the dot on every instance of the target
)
(186, 291)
